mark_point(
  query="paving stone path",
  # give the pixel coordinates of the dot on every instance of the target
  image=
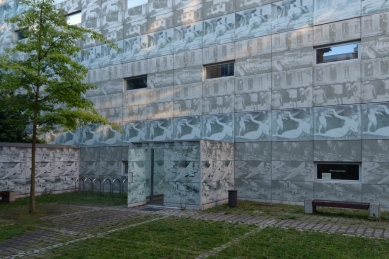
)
(90, 222)
(357, 227)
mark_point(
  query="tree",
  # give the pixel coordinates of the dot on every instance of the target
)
(42, 71)
(13, 122)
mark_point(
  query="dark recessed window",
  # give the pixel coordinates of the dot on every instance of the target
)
(124, 167)
(138, 82)
(328, 172)
(219, 70)
(21, 34)
(336, 53)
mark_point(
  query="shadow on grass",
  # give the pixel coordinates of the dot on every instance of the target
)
(15, 219)
(52, 204)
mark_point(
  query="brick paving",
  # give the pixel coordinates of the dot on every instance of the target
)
(89, 222)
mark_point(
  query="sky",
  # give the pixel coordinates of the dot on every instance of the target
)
(132, 3)
(343, 49)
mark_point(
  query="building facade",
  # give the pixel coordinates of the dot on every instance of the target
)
(289, 123)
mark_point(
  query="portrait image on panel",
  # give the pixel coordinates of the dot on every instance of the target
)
(161, 43)
(134, 48)
(374, 6)
(338, 122)
(291, 15)
(292, 124)
(219, 127)
(160, 130)
(188, 37)
(254, 22)
(134, 132)
(375, 91)
(219, 30)
(89, 135)
(109, 135)
(337, 94)
(375, 121)
(135, 13)
(252, 126)
(328, 11)
(187, 128)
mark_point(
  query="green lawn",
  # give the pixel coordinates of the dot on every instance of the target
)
(17, 221)
(291, 243)
(173, 237)
(166, 238)
(50, 204)
(186, 238)
(8, 231)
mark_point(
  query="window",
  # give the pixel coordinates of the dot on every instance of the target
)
(132, 3)
(138, 82)
(219, 70)
(338, 172)
(21, 34)
(336, 53)
(124, 167)
(74, 18)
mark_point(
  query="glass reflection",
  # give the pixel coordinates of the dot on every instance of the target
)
(337, 53)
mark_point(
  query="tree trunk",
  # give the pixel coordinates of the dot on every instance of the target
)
(36, 112)
(32, 186)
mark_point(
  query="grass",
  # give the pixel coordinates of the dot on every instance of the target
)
(166, 238)
(17, 220)
(290, 243)
(173, 237)
(185, 238)
(12, 230)
(73, 198)
(197, 235)
(49, 204)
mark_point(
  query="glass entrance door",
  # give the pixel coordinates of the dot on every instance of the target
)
(156, 177)
(136, 176)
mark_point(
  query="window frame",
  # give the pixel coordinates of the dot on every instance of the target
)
(316, 48)
(338, 180)
(214, 65)
(134, 77)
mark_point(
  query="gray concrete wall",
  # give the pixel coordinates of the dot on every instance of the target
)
(57, 168)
